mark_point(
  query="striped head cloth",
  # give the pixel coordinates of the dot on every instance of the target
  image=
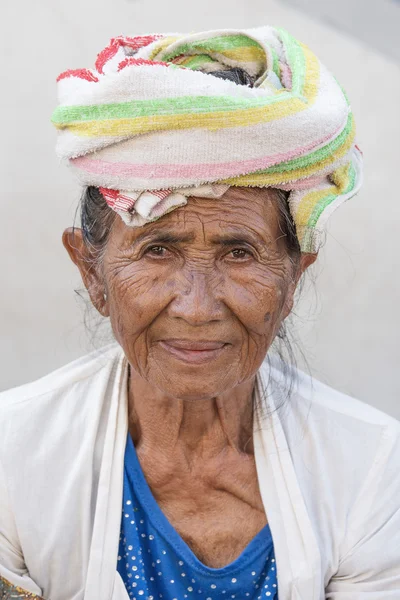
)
(150, 125)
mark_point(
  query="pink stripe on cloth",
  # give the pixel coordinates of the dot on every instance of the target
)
(199, 171)
(117, 201)
(80, 73)
(161, 194)
(286, 76)
(115, 43)
(302, 184)
(124, 203)
(138, 62)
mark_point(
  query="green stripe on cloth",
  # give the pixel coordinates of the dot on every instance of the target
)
(315, 215)
(213, 44)
(296, 60)
(197, 62)
(317, 155)
(275, 65)
(321, 206)
(64, 115)
(343, 91)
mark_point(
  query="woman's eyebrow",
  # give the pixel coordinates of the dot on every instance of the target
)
(164, 238)
(238, 239)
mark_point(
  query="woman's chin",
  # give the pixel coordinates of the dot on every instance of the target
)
(191, 375)
(194, 384)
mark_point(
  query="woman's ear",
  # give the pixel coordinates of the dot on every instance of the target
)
(84, 258)
(306, 260)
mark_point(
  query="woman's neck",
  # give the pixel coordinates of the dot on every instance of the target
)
(200, 428)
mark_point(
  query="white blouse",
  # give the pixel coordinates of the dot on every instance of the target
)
(328, 469)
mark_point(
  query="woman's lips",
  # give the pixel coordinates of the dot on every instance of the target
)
(195, 352)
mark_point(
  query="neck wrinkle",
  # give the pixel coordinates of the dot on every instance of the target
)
(199, 429)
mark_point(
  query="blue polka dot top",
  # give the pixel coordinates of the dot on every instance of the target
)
(155, 562)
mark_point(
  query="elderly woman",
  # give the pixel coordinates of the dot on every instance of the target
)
(186, 461)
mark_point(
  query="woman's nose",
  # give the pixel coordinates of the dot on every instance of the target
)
(197, 300)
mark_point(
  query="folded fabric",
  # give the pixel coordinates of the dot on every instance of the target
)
(139, 208)
(150, 125)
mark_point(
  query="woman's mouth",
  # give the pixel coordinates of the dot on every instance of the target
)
(194, 352)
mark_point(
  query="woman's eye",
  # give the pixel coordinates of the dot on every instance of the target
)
(156, 251)
(239, 253)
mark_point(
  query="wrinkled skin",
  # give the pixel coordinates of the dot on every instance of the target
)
(214, 271)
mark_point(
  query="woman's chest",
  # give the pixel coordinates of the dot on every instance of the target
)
(217, 510)
(219, 536)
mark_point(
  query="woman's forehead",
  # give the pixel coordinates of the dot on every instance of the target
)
(239, 210)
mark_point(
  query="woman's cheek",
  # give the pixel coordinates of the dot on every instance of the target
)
(257, 300)
(137, 297)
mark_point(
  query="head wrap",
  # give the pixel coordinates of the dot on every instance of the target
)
(150, 125)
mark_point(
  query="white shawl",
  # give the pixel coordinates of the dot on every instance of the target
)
(328, 469)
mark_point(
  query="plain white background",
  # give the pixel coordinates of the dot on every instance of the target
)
(349, 330)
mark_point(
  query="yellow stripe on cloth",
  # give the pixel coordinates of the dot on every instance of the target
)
(162, 44)
(244, 54)
(308, 204)
(311, 80)
(340, 178)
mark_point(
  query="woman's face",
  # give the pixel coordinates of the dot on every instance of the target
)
(196, 298)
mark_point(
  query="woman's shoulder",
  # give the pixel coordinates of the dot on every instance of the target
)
(59, 418)
(365, 434)
(347, 416)
(346, 456)
(52, 442)
(57, 404)
(70, 376)
(325, 403)
(333, 434)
